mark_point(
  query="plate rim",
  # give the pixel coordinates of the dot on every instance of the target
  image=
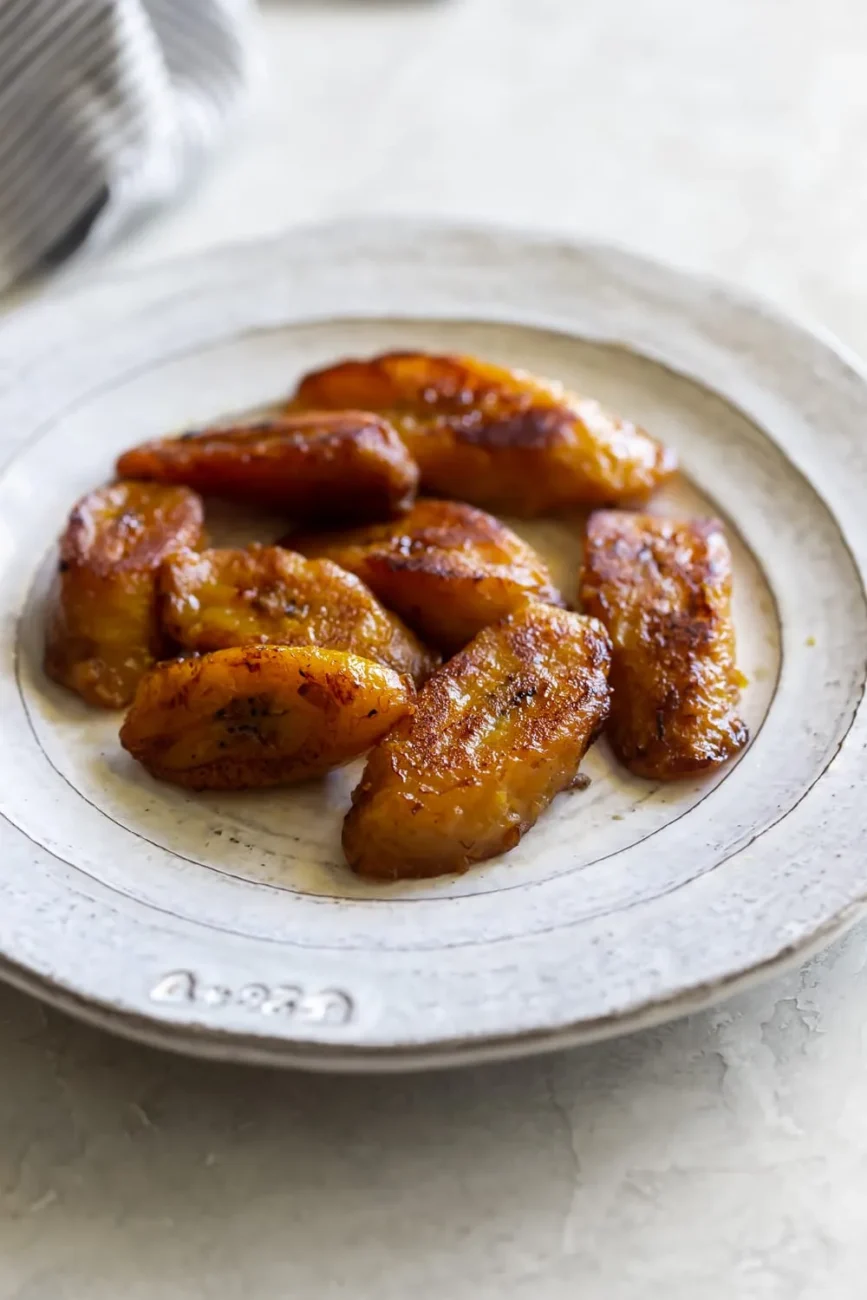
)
(320, 1058)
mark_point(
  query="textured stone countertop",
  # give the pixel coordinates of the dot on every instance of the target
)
(721, 1157)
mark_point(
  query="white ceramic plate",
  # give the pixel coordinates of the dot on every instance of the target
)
(228, 925)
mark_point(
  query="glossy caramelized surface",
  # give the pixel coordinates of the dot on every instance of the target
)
(447, 568)
(498, 731)
(663, 590)
(103, 629)
(498, 438)
(329, 465)
(219, 598)
(260, 715)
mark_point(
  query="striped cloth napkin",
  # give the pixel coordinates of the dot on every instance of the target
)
(106, 108)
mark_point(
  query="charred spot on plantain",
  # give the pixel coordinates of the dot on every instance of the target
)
(531, 429)
(245, 715)
(249, 729)
(319, 696)
(343, 690)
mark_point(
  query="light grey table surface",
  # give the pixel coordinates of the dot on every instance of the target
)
(724, 1156)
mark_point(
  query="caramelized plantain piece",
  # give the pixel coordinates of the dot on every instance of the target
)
(499, 438)
(330, 465)
(103, 630)
(260, 715)
(663, 590)
(445, 567)
(498, 731)
(215, 599)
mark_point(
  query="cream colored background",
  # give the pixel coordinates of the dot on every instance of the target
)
(724, 1156)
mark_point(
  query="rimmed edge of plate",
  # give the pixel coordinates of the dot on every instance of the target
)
(325, 1058)
(193, 1038)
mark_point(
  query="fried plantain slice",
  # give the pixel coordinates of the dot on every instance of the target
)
(447, 568)
(497, 732)
(662, 588)
(260, 715)
(103, 629)
(219, 598)
(332, 465)
(498, 438)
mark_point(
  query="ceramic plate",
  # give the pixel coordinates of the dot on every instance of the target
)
(228, 925)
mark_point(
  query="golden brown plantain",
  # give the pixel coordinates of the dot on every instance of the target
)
(499, 438)
(497, 732)
(448, 569)
(329, 465)
(663, 590)
(215, 599)
(260, 715)
(103, 630)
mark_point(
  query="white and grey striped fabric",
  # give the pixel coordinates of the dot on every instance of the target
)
(106, 107)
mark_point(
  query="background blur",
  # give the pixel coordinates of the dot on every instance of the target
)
(726, 137)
